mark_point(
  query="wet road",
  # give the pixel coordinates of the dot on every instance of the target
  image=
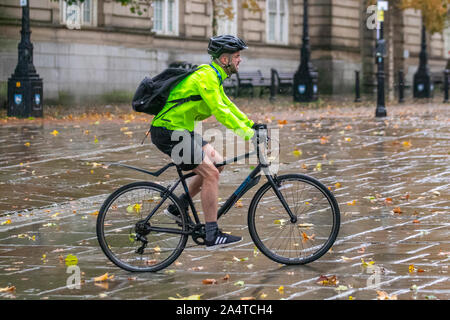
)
(391, 178)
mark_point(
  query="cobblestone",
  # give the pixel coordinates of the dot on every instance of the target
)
(52, 186)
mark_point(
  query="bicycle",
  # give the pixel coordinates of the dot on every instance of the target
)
(299, 231)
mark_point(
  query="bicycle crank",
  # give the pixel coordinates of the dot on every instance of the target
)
(199, 234)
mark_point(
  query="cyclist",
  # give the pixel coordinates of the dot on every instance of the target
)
(206, 82)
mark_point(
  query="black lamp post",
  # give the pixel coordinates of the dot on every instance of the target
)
(305, 79)
(380, 54)
(25, 86)
(422, 78)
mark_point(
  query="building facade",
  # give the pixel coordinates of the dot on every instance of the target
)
(101, 47)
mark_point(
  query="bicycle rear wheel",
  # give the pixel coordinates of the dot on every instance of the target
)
(315, 230)
(121, 233)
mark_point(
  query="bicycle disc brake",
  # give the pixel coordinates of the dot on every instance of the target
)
(199, 234)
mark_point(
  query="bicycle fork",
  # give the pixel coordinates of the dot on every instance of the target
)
(274, 183)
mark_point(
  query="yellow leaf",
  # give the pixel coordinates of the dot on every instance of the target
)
(280, 289)
(406, 144)
(27, 144)
(103, 277)
(351, 203)
(348, 139)
(55, 215)
(411, 268)
(366, 264)
(54, 132)
(337, 185)
(297, 153)
(239, 204)
(6, 222)
(192, 297)
(280, 222)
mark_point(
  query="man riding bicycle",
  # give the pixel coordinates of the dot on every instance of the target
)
(172, 120)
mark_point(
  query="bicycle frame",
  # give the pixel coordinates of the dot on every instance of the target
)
(251, 180)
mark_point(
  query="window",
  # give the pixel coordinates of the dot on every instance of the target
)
(165, 16)
(447, 43)
(225, 25)
(79, 14)
(277, 21)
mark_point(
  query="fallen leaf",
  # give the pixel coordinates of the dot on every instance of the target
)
(382, 295)
(297, 153)
(54, 132)
(351, 203)
(248, 298)
(239, 204)
(282, 122)
(416, 221)
(239, 283)
(327, 281)
(103, 277)
(6, 222)
(226, 278)
(337, 185)
(280, 289)
(323, 140)
(209, 281)
(341, 288)
(362, 250)
(406, 144)
(366, 264)
(191, 297)
(397, 210)
(8, 289)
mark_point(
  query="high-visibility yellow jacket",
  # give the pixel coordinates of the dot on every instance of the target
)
(207, 83)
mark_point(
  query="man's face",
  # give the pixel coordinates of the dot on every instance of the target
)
(233, 60)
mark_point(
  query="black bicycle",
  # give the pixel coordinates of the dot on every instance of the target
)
(293, 219)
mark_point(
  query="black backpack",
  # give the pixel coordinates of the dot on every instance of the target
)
(151, 95)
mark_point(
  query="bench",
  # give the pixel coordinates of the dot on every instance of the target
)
(283, 81)
(250, 80)
(230, 84)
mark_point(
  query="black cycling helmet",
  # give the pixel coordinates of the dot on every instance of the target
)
(225, 44)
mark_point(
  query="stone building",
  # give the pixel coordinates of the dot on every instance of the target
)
(114, 48)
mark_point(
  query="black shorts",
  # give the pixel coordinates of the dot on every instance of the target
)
(183, 147)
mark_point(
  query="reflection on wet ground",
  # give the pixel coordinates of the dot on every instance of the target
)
(390, 177)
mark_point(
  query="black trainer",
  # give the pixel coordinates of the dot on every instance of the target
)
(222, 240)
(172, 210)
(173, 213)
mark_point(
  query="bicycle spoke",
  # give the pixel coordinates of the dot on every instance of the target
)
(287, 242)
(125, 239)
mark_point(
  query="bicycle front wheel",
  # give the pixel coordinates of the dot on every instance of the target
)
(121, 232)
(315, 230)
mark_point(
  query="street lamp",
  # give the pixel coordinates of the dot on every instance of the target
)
(25, 86)
(380, 54)
(422, 79)
(305, 79)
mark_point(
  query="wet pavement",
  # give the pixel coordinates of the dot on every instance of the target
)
(390, 176)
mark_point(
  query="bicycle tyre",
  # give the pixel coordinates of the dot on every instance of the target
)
(261, 223)
(112, 213)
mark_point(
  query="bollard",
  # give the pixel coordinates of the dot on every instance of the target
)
(401, 87)
(446, 75)
(357, 89)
